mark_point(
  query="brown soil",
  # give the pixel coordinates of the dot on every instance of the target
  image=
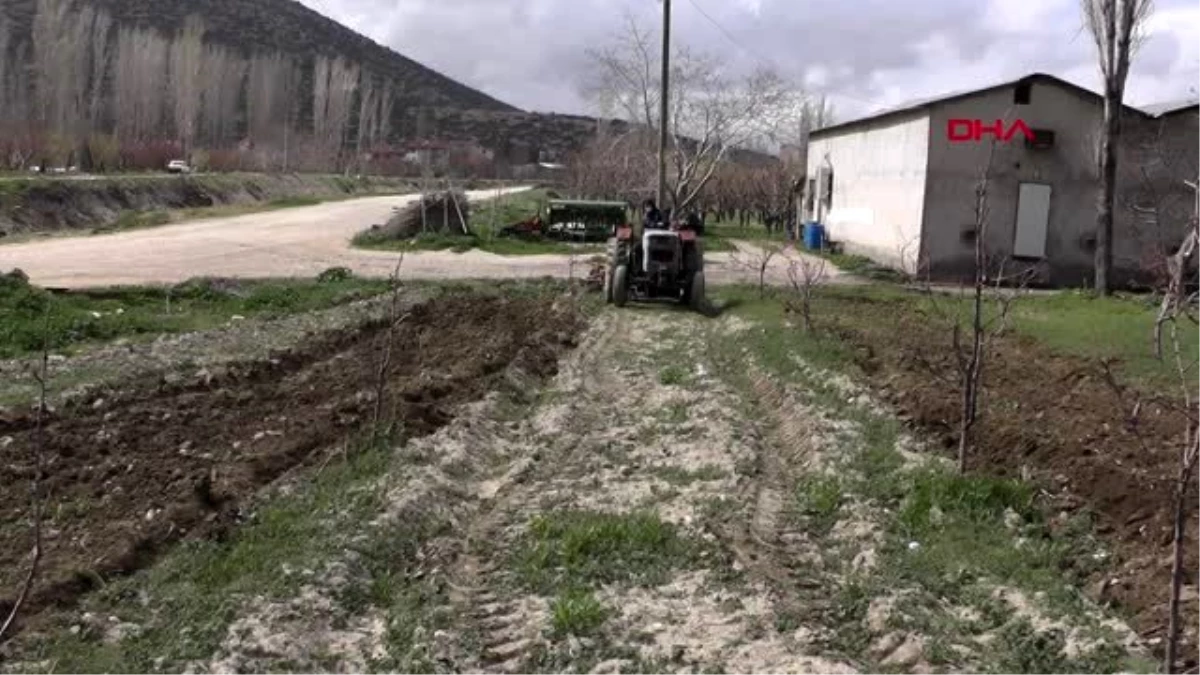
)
(140, 468)
(1056, 417)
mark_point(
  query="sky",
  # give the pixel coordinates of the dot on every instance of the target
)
(863, 54)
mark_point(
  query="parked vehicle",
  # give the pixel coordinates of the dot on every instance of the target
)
(178, 166)
(580, 220)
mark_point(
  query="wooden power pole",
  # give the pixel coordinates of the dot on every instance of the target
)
(663, 105)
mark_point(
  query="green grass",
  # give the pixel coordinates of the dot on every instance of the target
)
(29, 314)
(673, 374)
(862, 266)
(1071, 323)
(583, 549)
(1118, 327)
(948, 540)
(818, 499)
(719, 237)
(577, 612)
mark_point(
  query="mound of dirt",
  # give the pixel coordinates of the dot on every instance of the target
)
(1055, 417)
(54, 204)
(445, 212)
(134, 470)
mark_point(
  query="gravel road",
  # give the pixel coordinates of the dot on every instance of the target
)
(298, 242)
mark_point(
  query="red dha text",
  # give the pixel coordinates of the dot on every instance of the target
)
(964, 130)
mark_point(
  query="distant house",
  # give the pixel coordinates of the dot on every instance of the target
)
(899, 185)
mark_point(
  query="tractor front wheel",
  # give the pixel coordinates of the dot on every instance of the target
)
(620, 285)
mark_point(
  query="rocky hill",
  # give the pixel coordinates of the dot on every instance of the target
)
(256, 26)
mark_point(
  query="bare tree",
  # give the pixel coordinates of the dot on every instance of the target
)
(224, 75)
(267, 95)
(756, 260)
(187, 69)
(102, 63)
(62, 52)
(37, 497)
(334, 84)
(368, 113)
(7, 65)
(1177, 304)
(804, 275)
(1116, 27)
(712, 112)
(988, 279)
(394, 319)
(140, 84)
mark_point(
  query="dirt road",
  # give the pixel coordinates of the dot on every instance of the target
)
(298, 242)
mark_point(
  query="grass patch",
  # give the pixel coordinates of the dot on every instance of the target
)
(818, 499)
(583, 549)
(678, 475)
(27, 313)
(577, 612)
(673, 375)
(1066, 323)
(948, 541)
(862, 266)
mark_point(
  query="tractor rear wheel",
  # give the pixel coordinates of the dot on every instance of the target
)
(620, 285)
(696, 292)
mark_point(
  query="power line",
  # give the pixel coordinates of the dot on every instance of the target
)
(761, 59)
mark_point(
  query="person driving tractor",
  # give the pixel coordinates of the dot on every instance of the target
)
(652, 218)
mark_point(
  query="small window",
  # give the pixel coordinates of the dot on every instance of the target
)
(1022, 93)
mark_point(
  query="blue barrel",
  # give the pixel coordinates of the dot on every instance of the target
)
(814, 236)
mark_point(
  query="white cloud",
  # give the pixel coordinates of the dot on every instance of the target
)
(865, 54)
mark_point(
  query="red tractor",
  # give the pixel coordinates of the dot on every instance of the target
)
(660, 264)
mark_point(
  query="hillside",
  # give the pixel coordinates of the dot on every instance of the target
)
(255, 26)
(253, 84)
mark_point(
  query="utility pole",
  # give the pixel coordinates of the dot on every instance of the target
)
(663, 105)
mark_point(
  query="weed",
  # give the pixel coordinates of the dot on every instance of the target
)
(577, 612)
(973, 498)
(1022, 649)
(677, 475)
(673, 375)
(292, 202)
(819, 499)
(334, 275)
(104, 314)
(585, 548)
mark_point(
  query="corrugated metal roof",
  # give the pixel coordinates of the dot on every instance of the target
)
(1168, 107)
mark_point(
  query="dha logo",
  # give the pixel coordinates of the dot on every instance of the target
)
(972, 131)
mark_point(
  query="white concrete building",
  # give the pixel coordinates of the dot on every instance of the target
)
(899, 186)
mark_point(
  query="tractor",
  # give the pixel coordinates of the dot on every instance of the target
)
(660, 264)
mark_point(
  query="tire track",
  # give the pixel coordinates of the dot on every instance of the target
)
(505, 629)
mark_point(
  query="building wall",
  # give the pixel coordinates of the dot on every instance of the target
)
(1069, 168)
(955, 169)
(878, 187)
(1162, 155)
